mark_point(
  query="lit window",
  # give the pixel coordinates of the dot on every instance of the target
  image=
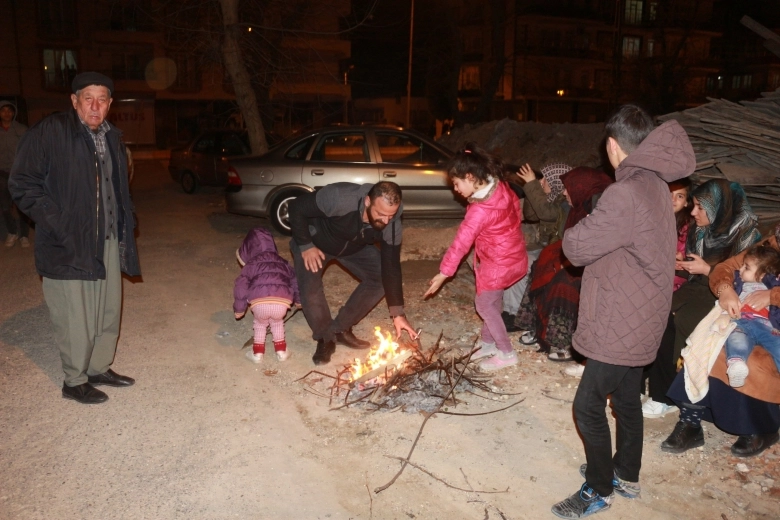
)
(469, 78)
(736, 81)
(650, 45)
(631, 46)
(59, 67)
(634, 12)
(653, 11)
(747, 81)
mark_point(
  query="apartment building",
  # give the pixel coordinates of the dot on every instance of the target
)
(573, 60)
(166, 91)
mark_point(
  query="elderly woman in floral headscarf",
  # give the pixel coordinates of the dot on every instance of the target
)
(724, 225)
(751, 412)
(544, 201)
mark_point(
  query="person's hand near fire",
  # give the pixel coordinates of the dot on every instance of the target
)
(435, 284)
(402, 324)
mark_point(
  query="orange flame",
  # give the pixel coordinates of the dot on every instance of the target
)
(379, 355)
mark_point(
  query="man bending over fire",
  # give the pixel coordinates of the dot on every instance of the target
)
(342, 222)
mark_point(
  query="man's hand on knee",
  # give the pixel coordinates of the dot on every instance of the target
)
(312, 259)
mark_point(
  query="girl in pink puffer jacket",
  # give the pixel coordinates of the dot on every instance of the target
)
(492, 225)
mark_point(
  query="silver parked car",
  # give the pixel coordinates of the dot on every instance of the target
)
(263, 186)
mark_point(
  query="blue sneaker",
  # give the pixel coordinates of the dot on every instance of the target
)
(583, 503)
(624, 488)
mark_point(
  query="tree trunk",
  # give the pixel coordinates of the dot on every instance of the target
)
(234, 63)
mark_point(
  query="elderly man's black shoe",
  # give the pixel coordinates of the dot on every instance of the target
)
(325, 350)
(752, 445)
(84, 393)
(683, 438)
(111, 378)
(348, 339)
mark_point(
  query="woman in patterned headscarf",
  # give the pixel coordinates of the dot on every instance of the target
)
(544, 202)
(549, 307)
(751, 411)
(725, 225)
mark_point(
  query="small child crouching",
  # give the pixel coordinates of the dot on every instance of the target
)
(760, 271)
(267, 286)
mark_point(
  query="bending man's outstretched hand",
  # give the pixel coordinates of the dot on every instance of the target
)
(402, 324)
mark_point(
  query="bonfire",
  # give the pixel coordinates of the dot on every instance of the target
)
(403, 375)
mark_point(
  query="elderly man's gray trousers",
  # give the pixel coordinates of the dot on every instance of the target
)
(86, 317)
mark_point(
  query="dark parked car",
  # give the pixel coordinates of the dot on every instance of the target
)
(203, 161)
(263, 186)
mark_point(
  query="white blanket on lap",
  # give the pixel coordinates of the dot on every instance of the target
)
(703, 347)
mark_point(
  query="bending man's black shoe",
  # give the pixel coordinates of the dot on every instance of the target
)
(325, 350)
(683, 438)
(111, 378)
(84, 393)
(752, 445)
(348, 339)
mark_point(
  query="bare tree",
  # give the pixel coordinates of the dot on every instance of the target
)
(260, 44)
(234, 63)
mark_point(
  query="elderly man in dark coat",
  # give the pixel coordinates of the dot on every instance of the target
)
(70, 177)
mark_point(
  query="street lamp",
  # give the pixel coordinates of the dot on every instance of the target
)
(409, 74)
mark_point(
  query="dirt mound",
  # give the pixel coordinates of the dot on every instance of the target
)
(535, 143)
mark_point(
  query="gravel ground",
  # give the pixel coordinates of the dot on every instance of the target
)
(206, 434)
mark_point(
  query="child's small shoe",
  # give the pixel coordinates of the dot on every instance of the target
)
(484, 350)
(281, 350)
(254, 357)
(499, 361)
(737, 371)
(282, 355)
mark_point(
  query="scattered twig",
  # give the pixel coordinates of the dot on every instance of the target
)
(417, 466)
(466, 478)
(370, 500)
(419, 433)
(544, 393)
(482, 413)
(310, 372)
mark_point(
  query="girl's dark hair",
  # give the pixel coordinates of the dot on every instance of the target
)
(476, 161)
(683, 216)
(767, 259)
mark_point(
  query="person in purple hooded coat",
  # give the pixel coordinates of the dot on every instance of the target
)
(268, 287)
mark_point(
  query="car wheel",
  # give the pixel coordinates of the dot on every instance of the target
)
(189, 183)
(280, 211)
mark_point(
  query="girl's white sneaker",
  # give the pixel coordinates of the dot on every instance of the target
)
(254, 358)
(282, 354)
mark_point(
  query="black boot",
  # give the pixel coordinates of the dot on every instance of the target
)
(683, 438)
(325, 350)
(752, 445)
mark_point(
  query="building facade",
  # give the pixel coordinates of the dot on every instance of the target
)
(167, 92)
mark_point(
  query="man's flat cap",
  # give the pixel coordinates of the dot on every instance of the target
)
(85, 79)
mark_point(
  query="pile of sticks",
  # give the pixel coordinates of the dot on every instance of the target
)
(418, 380)
(739, 142)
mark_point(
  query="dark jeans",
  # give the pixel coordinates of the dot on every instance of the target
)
(598, 381)
(366, 265)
